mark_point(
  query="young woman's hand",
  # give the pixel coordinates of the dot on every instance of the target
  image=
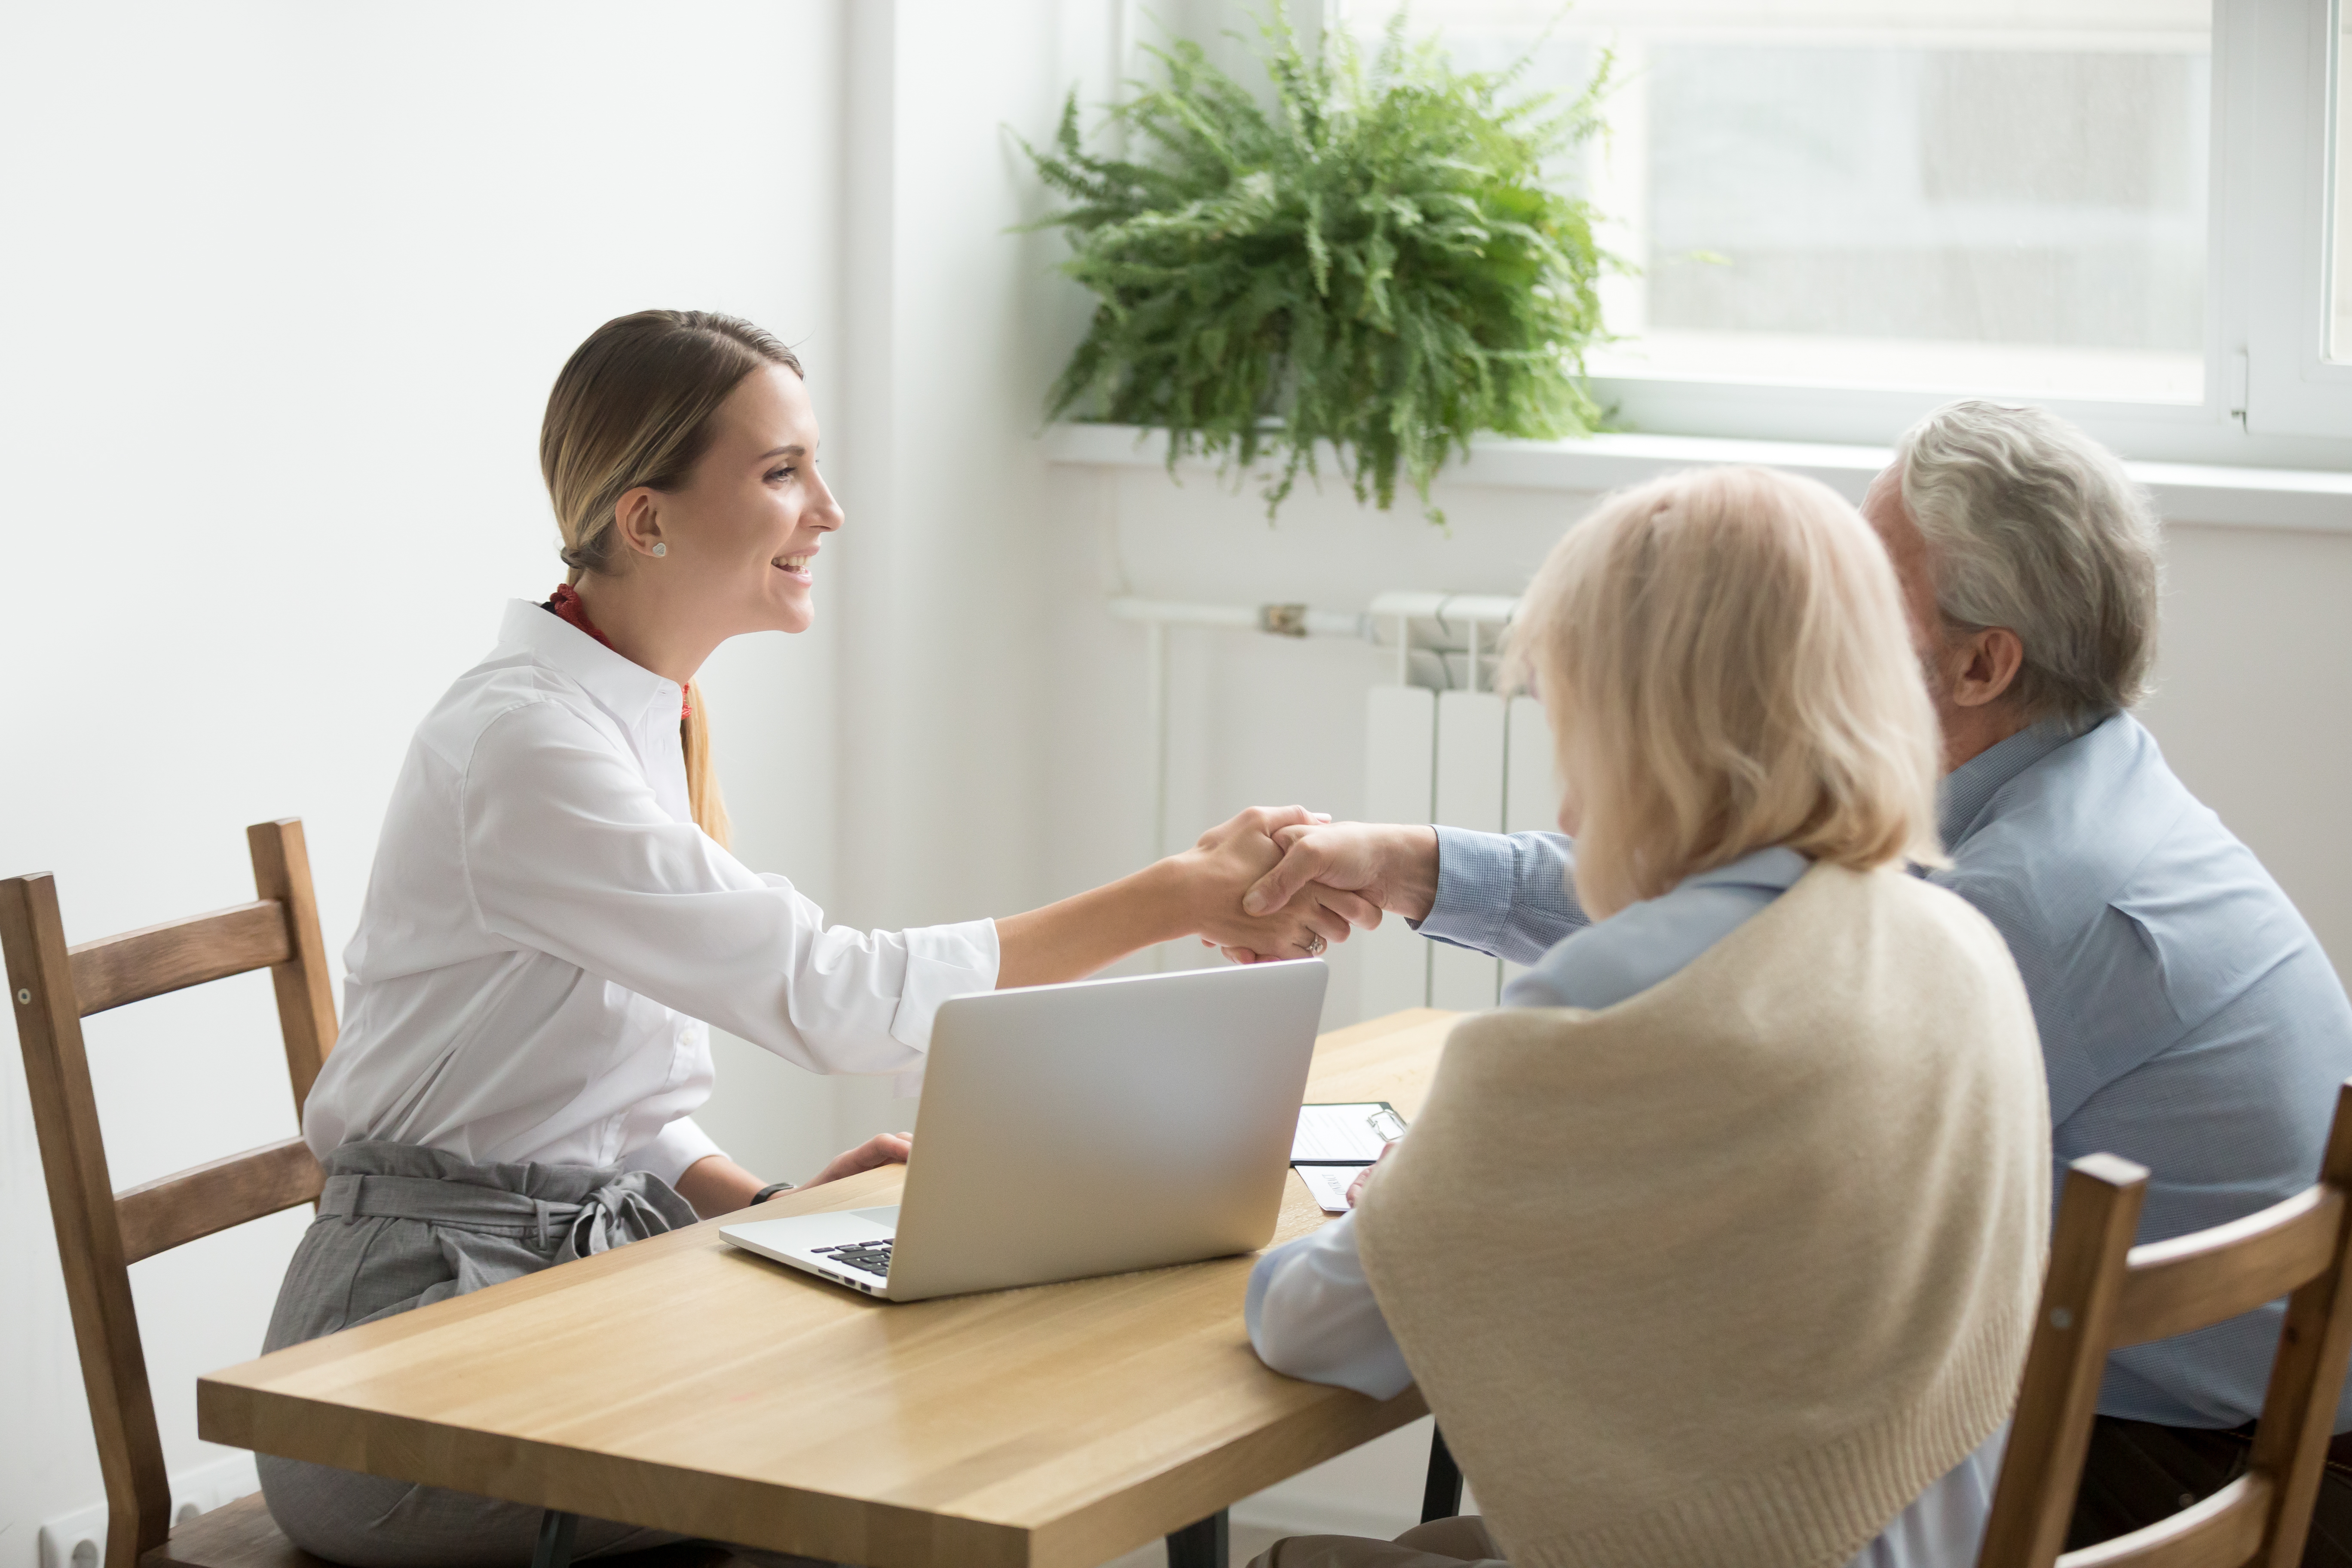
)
(716, 1184)
(882, 1149)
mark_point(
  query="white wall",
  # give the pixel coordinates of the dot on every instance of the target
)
(284, 289)
(2254, 681)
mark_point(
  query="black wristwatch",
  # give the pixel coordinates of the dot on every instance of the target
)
(770, 1191)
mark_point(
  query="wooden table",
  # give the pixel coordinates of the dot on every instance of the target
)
(682, 1384)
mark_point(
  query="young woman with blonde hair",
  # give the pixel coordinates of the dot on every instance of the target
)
(554, 919)
(1720, 1241)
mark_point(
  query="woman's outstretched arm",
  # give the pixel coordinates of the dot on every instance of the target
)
(1196, 892)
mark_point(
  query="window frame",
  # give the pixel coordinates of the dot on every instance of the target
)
(2288, 184)
(2271, 397)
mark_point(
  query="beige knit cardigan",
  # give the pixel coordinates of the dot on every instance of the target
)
(1725, 1274)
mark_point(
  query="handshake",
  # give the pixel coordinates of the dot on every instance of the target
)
(1286, 882)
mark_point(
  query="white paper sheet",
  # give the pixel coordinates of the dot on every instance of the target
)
(1329, 1185)
(1341, 1131)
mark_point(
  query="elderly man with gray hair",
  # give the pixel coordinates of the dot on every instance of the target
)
(2189, 1018)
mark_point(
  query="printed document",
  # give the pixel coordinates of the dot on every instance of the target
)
(1335, 1142)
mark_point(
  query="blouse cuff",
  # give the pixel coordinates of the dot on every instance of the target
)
(941, 962)
(673, 1152)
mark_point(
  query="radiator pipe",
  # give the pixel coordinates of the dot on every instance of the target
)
(1279, 620)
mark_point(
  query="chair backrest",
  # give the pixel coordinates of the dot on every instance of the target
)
(102, 1232)
(2103, 1294)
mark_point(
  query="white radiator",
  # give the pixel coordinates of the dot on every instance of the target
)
(1442, 746)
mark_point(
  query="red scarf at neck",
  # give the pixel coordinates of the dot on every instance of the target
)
(567, 605)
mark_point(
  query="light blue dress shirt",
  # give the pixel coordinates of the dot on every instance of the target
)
(2189, 1018)
(1311, 1313)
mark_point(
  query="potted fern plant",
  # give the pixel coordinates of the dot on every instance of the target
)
(1377, 260)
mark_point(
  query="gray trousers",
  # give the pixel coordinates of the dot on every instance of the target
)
(1458, 1543)
(401, 1227)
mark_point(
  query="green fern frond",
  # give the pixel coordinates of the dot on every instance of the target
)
(1378, 261)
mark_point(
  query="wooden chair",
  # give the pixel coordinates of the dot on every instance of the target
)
(102, 1232)
(2101, 1294)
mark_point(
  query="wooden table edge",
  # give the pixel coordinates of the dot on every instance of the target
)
(752, 1511)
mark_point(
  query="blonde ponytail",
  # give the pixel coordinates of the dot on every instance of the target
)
(702, 795)
(632, 407)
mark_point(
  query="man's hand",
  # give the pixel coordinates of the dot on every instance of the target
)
(1235, 853)
(882, 1149)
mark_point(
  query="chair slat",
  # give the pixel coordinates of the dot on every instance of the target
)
(115, 970)
(2222, 1532)
(305, 1000)
(161, 1214)
(2098, 1214)
(2212, 1275)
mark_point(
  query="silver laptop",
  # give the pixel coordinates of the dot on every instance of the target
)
(1068, 1131)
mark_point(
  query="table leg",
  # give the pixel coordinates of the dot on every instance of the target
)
(555, 1533)
(1441, 1494)
(1207, 1544)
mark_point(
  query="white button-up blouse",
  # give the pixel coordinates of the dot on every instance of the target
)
(546, 934)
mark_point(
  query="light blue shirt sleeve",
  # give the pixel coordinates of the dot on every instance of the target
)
(1311, 1314)
(1507, 895)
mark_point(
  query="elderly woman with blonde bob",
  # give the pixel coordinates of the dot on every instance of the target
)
(1718, 1243)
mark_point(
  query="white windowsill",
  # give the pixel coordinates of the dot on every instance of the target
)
(2304, 499)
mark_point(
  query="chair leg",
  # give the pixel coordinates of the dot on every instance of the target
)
(1441, 1495)
(1207, 1544)
(555, 1533)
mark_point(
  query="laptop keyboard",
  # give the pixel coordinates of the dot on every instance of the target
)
(874, 1257)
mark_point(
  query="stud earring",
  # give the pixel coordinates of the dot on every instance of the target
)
(661, 550)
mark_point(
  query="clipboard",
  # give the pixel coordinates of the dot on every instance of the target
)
(1336, 1140)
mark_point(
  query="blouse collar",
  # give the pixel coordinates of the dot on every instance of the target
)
(626, 690)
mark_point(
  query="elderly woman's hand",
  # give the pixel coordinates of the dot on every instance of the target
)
(1363, 1177)
(1232, 856)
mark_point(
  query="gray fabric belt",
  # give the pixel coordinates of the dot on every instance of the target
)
(401, 1227)
(621, 1207)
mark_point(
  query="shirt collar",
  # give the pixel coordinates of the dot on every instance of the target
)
(626, 688)
(1775, 865)
(1969, 788)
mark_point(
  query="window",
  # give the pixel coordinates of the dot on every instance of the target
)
(2340, 105)
(1844, 211)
